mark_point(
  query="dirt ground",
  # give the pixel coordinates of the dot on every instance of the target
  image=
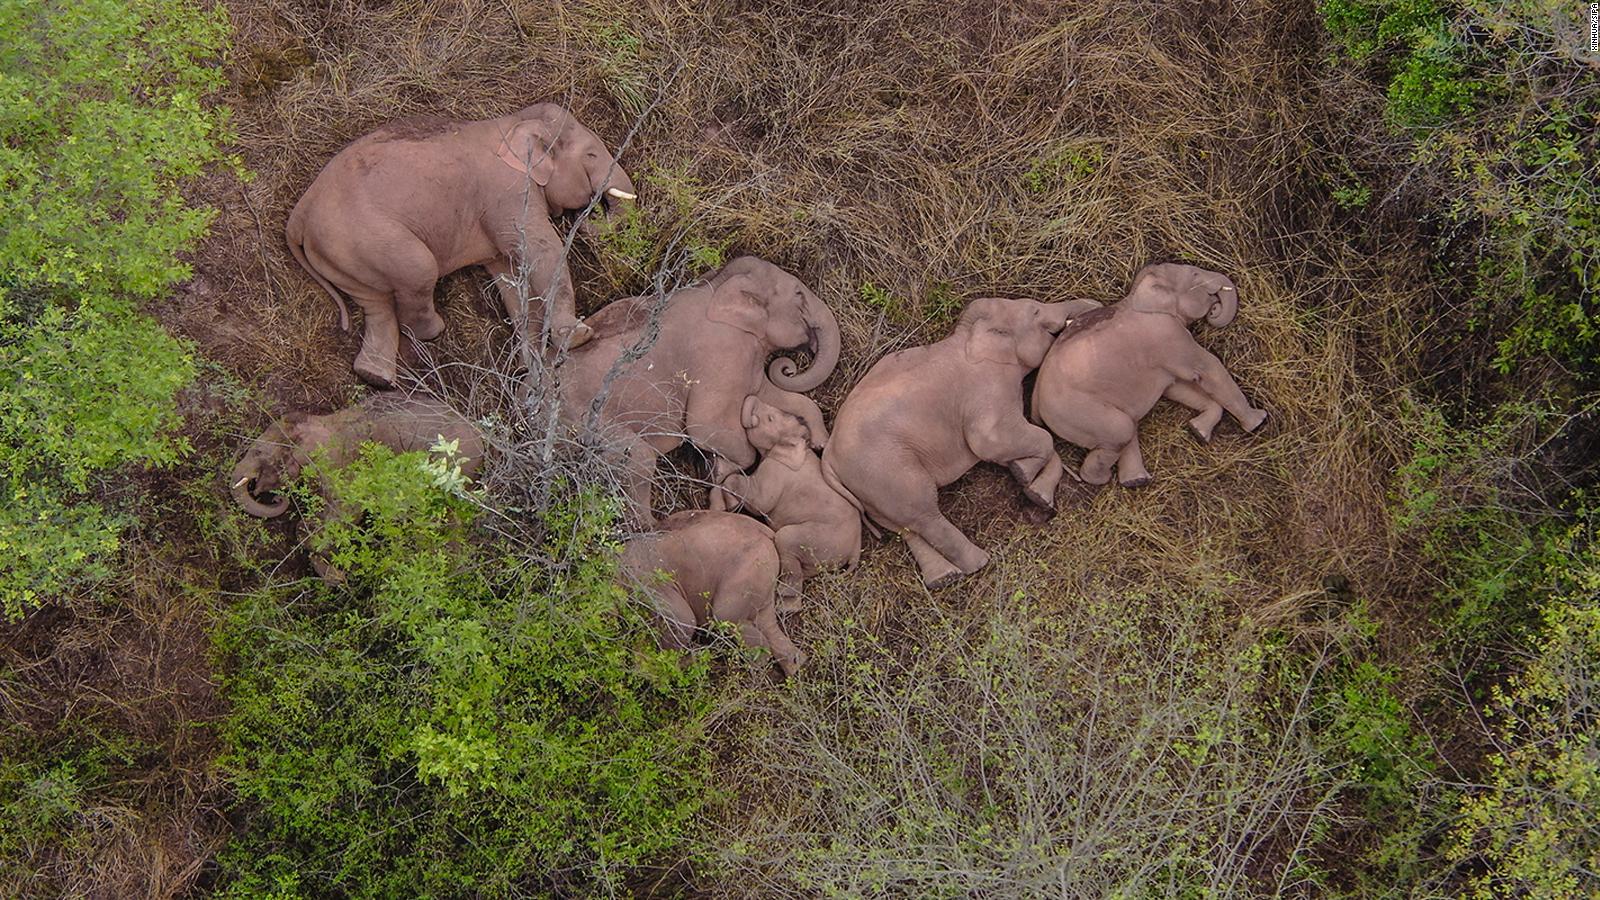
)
(932, 151)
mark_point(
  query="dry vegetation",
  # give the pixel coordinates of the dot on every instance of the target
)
(901, 158)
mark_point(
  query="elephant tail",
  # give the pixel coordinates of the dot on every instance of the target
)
(295, 233)
(839, 488)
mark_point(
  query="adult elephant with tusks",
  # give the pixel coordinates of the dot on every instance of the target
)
(638, 399)
(922, 417)
(418, 199)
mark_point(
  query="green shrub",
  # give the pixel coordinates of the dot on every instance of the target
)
(100, 102)
(1530, 831)
(1503, 110)
(453, 722)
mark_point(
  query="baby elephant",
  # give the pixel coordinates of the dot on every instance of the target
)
(719, 565)
(274, 459)
(1109, 367)
(817, 529)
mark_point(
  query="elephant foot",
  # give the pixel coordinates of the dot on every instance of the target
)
(935, 581)
(428, 328)
(378, 374)
(1256, 419)
(1195, 432)
(574, 336)
(788, 599)
(1038, 499)
(1137, 481)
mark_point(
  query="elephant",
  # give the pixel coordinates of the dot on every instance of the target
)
(690, 382)
(816, 528)
(416, 200)
(923, 416)
(1106, 371)
(274, 460)
(719, 565)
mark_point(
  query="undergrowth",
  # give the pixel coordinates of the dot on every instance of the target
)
(455, 720)
(103, 108)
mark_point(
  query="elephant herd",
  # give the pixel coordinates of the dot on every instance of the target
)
(399, 208)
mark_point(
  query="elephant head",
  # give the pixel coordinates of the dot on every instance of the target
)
(1011, 332)
(760, 298)
(570, 163)
(272, 463)
(1189, 292)
(767, 426)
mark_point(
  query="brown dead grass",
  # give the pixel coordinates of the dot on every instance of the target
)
(889, 144)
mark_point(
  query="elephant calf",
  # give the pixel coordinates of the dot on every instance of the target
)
(274, 460)
(816, 528)
(396, 210)
(1107, 371)
(719, 565)
(922, 417)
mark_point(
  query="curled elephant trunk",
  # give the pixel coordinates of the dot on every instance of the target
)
(824, 347)
(241, 482)
(1225, 307)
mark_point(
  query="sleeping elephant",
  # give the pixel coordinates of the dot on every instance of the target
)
(816, 529)
(922, 417)
(1109, 368)
(274, 460)
(416, 200)
(692, 380)
(719, 565)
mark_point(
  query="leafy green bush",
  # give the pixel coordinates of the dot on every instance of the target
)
(1502, 103)
(100, 102)
(452, 722)
(1530, 830)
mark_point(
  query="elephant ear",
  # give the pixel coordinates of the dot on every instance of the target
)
(988, 338)
(526, 149)
(736, 301)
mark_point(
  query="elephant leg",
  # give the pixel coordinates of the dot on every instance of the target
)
(936, 570)
(793, 558)
(417, 312)
(1026, 449)
(1097, 464)
(677, 617)
(775, 639)
(950, 543)
(640, 458)
(542, 251)
(380, 342)
(1210, 411)
(1130, 465)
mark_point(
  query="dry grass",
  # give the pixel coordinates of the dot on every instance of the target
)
(935, 151)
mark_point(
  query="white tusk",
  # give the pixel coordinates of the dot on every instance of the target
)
(620, 194)
(241, 482)
(1225, 289)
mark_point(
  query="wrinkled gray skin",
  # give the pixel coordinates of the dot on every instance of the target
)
(710, 354)
(721, 566)
(922, 417)
(816, 529)
(1109, 368)
(416, 200)
(274, 460)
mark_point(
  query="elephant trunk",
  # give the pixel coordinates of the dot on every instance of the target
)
(243, 474)
(1226, 307)
(824, 347)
